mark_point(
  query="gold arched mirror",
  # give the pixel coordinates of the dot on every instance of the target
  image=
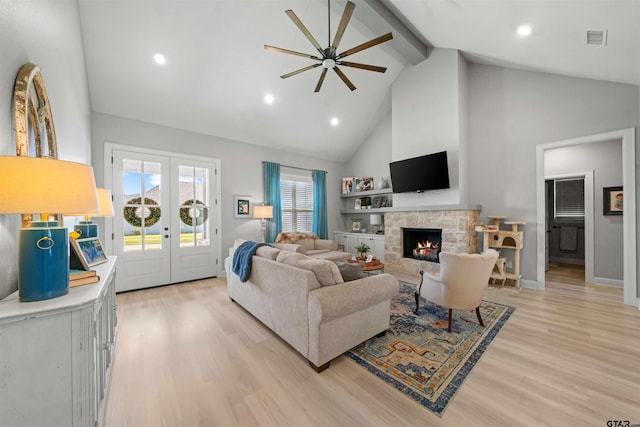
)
(33, 122)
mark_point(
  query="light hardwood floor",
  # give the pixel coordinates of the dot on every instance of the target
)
(187, 356)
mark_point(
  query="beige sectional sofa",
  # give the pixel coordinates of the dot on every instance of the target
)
(306, 303)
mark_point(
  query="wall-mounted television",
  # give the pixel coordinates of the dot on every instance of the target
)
(430, 172)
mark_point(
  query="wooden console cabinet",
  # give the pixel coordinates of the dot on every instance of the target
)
(55, 355)
(350, 240)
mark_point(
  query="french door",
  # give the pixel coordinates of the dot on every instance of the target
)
(166, 223)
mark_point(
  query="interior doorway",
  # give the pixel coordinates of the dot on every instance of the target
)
(629, 258)
(565, 247)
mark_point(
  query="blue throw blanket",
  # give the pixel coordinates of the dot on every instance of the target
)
(242, 259)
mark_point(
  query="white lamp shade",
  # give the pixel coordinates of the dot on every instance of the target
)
(375, 219)
(105, 202)
(263, 212)
(41, 185)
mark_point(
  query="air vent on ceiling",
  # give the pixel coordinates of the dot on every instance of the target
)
(597, 37)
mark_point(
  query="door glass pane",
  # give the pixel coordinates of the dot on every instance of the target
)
(141, 200)
(193, 206)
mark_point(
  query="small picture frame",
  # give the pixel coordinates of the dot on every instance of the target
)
(612, 201)
(242, 206)
(347, 184)
(88, 252)
(357, 204)
(355, 225)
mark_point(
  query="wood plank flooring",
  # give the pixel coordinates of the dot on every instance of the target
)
(187, 356)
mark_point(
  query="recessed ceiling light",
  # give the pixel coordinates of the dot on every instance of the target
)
(159, 59)
(524, 30)
(334, 121)
(268, 99)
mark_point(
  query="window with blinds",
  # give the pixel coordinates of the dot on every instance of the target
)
(296, 198)
(569, 198)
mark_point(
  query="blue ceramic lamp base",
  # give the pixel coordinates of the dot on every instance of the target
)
(86, 229)
(43, 261)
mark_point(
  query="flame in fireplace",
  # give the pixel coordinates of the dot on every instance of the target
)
(426, 247)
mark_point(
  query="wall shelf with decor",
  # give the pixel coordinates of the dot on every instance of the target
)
(367, 201)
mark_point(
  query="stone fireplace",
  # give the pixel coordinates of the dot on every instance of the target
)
(456, 227)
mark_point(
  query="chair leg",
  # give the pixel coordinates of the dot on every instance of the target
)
(449, 328)
(417, 297)
(479, 317)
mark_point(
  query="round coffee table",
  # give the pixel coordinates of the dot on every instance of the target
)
(370, 267)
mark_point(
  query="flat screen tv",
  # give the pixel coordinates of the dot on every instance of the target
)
(423, 173)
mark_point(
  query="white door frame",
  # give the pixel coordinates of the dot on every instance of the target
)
(216, 240)
(588, 218)
(628, 138)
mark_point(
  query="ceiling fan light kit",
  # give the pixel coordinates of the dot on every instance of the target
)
(328, 58)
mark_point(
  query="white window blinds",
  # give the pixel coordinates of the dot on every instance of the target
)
(296, 198)
(569, 198)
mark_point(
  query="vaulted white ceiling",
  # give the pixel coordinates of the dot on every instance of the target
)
(217, 71)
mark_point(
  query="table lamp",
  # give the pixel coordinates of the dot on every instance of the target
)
(31, 185)
(376, 221)
(88, 228)
(263, 212)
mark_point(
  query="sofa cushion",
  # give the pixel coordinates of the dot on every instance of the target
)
(312, 252)
(350, 271)
(268, 252)
(291, 247)
(326, 272)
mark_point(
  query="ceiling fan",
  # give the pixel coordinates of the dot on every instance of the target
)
(329, 58)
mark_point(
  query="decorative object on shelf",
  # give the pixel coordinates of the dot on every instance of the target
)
(151, 214)
(362, 249)
(330, 57)
(357, 204)
(383, 183)
(355, 225)
(193, 213)
(87, 228)
(364, 184)
(347, 184)
(263, 213)
(242, 206)
(86, 253)
(365, 203)
(31, 184)
(385, 202)
(376, 222)
(612, 203)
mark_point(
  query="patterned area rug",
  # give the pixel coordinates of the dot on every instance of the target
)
(420, 358)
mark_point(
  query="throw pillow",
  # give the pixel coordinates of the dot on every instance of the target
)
(326, 272)
(268, 252)
(290, 258)
(350, 270)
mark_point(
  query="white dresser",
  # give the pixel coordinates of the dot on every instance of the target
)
(55, 355)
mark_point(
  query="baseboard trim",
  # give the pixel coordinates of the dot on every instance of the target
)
(531, 284)
(608, 282)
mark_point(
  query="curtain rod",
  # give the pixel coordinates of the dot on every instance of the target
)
(294, 167)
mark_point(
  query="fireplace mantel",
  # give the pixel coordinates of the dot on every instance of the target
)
(460, 207)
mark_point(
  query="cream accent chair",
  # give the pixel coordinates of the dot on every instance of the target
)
(463, 279)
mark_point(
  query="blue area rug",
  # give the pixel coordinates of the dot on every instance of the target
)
(419, 357)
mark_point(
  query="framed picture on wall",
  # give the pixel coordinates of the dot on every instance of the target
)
(612, 203)
(242, 206)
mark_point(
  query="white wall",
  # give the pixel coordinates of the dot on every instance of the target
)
(511, 112)
(605, 159)
(241, 166)
(46, 33)
(373, 156)
(426, 115)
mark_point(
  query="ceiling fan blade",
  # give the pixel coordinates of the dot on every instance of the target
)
(363, 66)
(344, 21)
(301, 70)
(291, 52)
(344, 79)
(366, 45)
(322, 76)
(304, 30)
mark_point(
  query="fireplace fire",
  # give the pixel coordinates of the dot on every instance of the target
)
(422, 243)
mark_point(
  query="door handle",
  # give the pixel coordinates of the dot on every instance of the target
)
(166, 236)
